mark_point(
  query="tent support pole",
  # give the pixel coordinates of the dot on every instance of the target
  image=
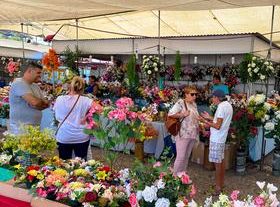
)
(158, 33)
(266, 87)
(22, 40)
(77, 43)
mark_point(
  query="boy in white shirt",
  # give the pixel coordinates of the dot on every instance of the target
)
(219, 126)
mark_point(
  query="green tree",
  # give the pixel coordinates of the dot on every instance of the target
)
(178, 66)
(132, 75)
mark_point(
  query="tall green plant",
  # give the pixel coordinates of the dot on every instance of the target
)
(70, 58)
(132, 75)
(178, 66)
(243, 68)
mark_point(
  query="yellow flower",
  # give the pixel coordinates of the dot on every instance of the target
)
(101, 175)
(33, 173)
(60, 172)
(80, 172)
(76, 185)
(40, 176)
(17, 166)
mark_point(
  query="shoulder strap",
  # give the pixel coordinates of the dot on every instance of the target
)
(67, 115)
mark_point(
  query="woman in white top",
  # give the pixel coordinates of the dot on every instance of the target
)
(70, 136)
(186, 110)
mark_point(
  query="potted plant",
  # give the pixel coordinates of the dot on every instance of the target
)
(243, 129)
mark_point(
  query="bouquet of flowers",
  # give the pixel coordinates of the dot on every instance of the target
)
(156, 185)
(151, 67)
(259, 108)
(266, 197)
(260, 69)
(13, 67)
(114, 125)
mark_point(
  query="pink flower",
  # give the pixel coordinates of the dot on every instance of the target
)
(162, 174)
(41, 192)
(184, 177)
(132, 115)
(259, 201)
(124, 103)
(133, 200)
(118, 114)
(234, 195)
(96, 108)
(193, 191)
(157, 164)
(60, 196)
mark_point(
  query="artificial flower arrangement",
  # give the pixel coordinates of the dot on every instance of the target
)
(151, 67)
(266, 197)
(260, 69)
(114, 125)
(156, 185)
(51, 61)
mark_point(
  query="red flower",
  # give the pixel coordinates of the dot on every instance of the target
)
(33, 167)
(251, 117)
(105, 168)
(30, 178)
(254, 130)
(90, 196)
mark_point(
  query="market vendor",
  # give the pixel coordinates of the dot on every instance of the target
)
(218, 85)
(92, 85)
(26, 99)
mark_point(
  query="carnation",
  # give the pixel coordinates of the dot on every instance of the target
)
(269, 126)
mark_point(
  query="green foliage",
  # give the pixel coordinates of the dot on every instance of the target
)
(132, 75)
(70, 58)
(4, 111)
(243, 68)
(178, 66)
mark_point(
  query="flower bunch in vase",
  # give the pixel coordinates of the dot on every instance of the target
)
(151, 67)
(259, 69)
(272, 130)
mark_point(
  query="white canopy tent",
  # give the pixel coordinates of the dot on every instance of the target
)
(139, 18)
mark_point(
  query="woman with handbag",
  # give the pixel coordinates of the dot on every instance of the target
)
(70, 110)
(185, 110)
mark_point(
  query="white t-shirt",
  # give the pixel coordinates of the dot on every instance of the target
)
(225, 112)
(72, 130)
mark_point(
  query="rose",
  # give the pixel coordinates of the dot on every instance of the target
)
(157, 164)
(259, 201)
(234, 195)
(149, 194)
(133, 200)
(162, 202)
(184, 178)
(193, 191)
(90, 196)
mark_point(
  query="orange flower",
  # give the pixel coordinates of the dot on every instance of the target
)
(50, 60)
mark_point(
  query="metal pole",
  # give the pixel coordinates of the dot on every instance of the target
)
(77, 43)
(22, 40)
(266, 86)
(159, 34)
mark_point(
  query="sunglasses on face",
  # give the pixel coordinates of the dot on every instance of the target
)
(193, 94)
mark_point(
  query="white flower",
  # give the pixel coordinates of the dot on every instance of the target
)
(150, 56)
(271, 188)
(253, 65)
(259, 98)
(270, 67)
(254, 58)
(160, 184)
(269, 126)
(239, 203)
(260, 184)
(274, 200)
(262, 77)
(266, 63)
(139, 195)
(161, 63)
(149, 72)
(128, 189)
(156, 69)
(208, 202)
(267, 106)
(180, 204)
(124, 174)
(149, 194)
(146, 67)
(249, 70)
(249, 65)
(266, 117)
(223, 198)
(162, 202)
(155, 64)
(192, 204)
(256, 70)
(145, 56)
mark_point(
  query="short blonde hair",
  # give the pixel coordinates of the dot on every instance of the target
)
(190, 88)
(78, 84)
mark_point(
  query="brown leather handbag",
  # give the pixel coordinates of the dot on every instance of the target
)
(173, 125)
